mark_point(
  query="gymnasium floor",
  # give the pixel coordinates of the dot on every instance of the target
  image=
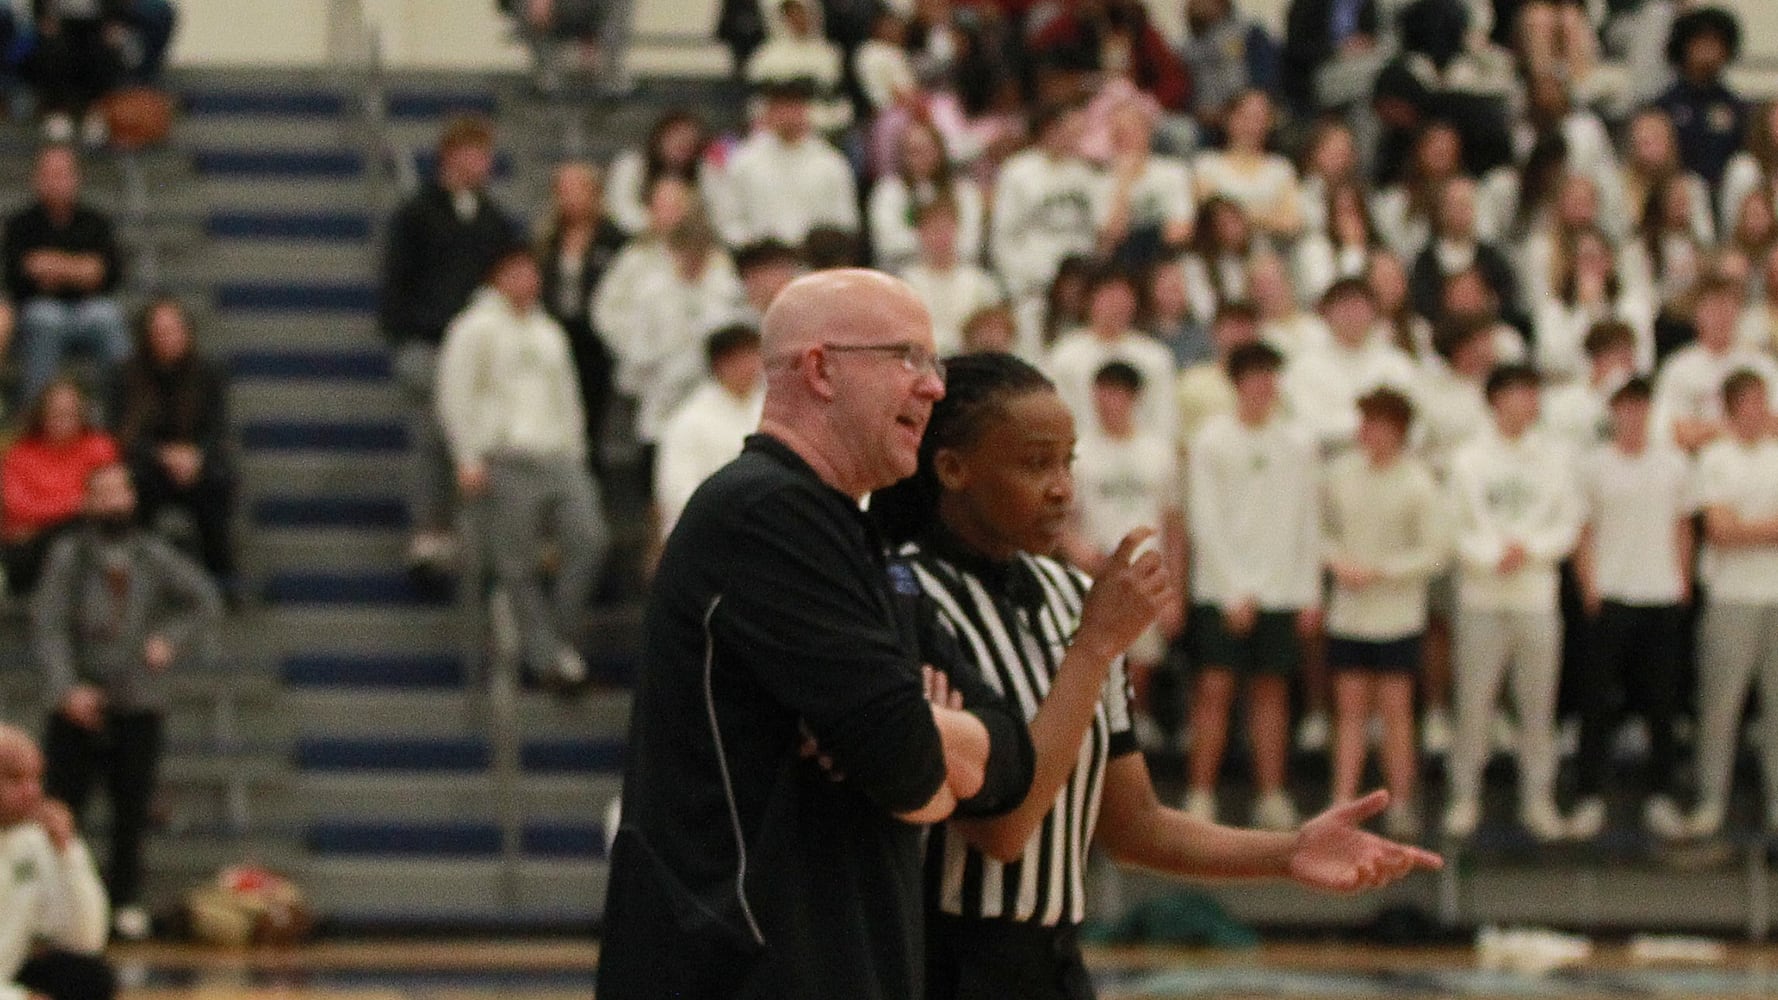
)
(482, 970)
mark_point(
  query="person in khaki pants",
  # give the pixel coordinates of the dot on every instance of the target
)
(1738, 634)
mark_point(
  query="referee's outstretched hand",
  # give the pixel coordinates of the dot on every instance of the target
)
(1131, 590)
(1333, 853)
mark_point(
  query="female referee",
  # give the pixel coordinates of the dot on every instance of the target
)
(1005, 895)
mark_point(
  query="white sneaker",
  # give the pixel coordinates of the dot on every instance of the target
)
(1312, 734)
(1401, 821)
(1661, 815)
(1200, 803)
(1588, 820)
(1544, 821)
(432, 550)
(1435, 731)
(1706, 820)
(1274, 811)
(1462, 817)
(58, 127)
(131, 923)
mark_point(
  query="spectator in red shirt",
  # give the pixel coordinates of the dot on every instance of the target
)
(43, 479)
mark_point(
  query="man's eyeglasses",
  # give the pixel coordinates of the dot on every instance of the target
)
(913, 357)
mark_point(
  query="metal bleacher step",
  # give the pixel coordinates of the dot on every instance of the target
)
(275, 329)
(428, 798)
(406, 891)
(258, 399)
(260, 193)
(317, 472)
(276, 259)
(385, 630)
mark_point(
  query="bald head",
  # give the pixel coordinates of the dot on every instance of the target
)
(845, 306)
(851, 375)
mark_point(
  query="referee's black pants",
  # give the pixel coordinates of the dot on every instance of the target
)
(969, 959)
(1632, 664)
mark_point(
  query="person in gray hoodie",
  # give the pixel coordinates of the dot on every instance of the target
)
(113, 611)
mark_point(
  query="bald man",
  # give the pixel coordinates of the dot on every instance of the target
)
(745, 865)
(52, 907)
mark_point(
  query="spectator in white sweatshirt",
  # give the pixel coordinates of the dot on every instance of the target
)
(660, 357)
(1324, 381)
(1738, 634)
(706, 431)
(1385, 537)
(1518, 514)
(510, 407)
(1688, 393)
(1113, 302)
(53, 911)
(1254, 517)
(951, 285)
(797, 52)
(784, 179)
(1577, 412)
(1042, 214)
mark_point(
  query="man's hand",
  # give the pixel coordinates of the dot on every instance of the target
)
(84, 705)
(472, 479)
(57, 822)
(157, 654)
(1127, 596)
(1333, 854)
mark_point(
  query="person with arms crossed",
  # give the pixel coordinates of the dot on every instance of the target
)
(1006, 895)
(1738, 632)
(741, 869)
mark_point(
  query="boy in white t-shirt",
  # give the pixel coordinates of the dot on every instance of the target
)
(1127, 477)
(1634, 569)
(1518, 514)
(1738, 633)
(952, 288)
(1253, 483)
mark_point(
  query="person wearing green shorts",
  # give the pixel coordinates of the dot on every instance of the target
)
(1252, 480)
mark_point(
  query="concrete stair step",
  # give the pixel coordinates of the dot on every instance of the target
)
(263, 194)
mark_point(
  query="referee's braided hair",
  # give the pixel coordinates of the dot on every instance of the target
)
(977, 388)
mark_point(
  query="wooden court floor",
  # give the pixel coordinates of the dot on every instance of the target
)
(553, 970)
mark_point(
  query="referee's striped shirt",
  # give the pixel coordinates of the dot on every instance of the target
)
(1015, 620)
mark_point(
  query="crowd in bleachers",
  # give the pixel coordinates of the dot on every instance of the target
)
(1565, 277)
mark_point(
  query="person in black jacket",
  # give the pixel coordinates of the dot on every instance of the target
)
(170, 413)
(1318, 34)
(786, 747)
(579, 242)
(442, 243)
(77, 59)
(63, 269)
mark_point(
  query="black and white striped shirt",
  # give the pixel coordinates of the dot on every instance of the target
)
(1014, 621)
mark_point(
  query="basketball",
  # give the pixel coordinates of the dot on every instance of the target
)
(138, 117)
